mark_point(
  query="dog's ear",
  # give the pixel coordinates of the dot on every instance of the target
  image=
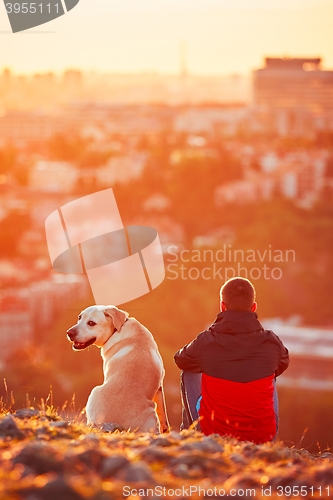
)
(118, 316)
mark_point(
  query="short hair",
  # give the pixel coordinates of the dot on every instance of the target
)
(238, 294)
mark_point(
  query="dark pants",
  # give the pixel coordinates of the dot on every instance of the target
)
(190, 389)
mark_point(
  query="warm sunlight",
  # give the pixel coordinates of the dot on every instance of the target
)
(166, 250)
(221, 36)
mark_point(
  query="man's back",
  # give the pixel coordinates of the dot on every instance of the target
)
(238, 360)
(236, 347)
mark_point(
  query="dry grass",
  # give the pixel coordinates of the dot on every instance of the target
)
(43, 456)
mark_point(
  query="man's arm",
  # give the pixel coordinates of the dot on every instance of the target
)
(284, 361)
(188, 358)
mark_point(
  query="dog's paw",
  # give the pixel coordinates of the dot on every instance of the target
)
(110, 427)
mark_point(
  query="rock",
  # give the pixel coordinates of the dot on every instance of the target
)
(27, 413)
(187, 447)
(42, 430)
(26, 471)
(297, 460)
(39, 457)
(8, 427)
(285, 479)
(236, 458)
(304, 453)
(92, 458)
(111, 427)
(60, 424)
(89, 439)
(326, 455)
(162, 441)
(181, 470)
(211, 445)
(111, 465)
(249, 449)
(191, 460)
(136, 472)
(176, 436)
(324, 476)
(207, 445)
(307, 482)
(105, 495)
(154, 454)
(269, 455)
(240, 481)
(54, 490)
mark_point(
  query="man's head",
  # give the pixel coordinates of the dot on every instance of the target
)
(238, 294)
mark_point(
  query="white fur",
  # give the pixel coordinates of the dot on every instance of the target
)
(132, 392)
(122, 352)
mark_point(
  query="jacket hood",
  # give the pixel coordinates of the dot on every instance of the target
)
(236, 322)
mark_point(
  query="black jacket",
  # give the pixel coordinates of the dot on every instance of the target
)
(236, 347)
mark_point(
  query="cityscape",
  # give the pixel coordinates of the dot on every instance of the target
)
(193, 157)
(166, 249)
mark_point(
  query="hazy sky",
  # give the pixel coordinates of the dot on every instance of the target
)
(221, 36)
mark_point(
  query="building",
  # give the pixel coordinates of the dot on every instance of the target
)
(53, 176)
(22, 126)
(121, 169)
(253, 190)
(293, 97)
(299, 176)
(296, 83)
(209, 119)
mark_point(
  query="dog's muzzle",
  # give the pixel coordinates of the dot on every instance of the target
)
(77, 346)
(71, 334)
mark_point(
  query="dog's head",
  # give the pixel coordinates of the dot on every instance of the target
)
(95, 325)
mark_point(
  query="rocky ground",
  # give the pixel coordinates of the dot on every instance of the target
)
(43, 457)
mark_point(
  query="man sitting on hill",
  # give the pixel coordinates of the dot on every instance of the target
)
(229, 371)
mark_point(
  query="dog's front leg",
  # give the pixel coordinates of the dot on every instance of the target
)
(159, 399)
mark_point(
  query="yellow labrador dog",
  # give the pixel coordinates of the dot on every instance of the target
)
(132, 392)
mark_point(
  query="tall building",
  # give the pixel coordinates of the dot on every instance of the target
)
(295, 83)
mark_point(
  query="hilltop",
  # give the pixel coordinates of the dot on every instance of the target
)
(44, 457)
